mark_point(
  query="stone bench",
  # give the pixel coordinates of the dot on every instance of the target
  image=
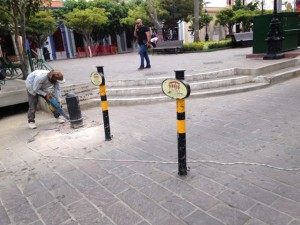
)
(244, 39)
(168, 46)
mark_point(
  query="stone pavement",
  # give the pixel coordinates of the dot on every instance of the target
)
(57, 175)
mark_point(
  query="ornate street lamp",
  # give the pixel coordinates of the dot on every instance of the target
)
(274, 37)
(206, 33)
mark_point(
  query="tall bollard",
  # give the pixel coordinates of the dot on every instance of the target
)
(179, 89)
(181, 129)
(104, 105)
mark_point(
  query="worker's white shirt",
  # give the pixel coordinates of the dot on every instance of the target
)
(37, 82)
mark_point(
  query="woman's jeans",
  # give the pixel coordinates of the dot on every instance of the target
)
(144, 55)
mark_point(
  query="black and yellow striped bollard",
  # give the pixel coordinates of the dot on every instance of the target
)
(179, 89)
(99, 80)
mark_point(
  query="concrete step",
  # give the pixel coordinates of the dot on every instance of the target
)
(142, 91)
(195, 85)
(149, 99)
(85, 92)
(145, 82)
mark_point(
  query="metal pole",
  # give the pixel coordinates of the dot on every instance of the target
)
(206, 34)
(181, 129)
(104, 105)
(275, 8)
(274, 37)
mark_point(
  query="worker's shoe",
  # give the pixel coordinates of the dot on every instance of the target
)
(31, 125)
(60, 120)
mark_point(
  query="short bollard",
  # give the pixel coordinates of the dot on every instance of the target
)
(74, 110)
(179, 89)
(98, 79)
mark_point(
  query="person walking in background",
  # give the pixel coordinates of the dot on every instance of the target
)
(143, 36)
(37, 84)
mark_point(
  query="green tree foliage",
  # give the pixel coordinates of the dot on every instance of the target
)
(172, 11)
(69, 5)
(18, 12)
(250, 6)
(85, 21)
(238, 5)
(6, 24)
(244, 17)
(136, 10)
(225, 18)
(117, 11)
(238, 14)
(40, 26)
(137, 13)
(204, 19)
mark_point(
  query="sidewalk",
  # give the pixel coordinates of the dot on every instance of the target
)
(242, 151)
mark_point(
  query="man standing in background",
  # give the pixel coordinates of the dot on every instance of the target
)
(143, 36)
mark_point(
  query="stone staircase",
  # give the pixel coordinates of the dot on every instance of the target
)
(124, 92)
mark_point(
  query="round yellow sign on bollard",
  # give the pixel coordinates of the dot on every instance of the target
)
(96, 78)
(176, 89)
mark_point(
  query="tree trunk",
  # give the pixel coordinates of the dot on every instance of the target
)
(24, 48)
(153, 14)
(21, 50)
(196, 21)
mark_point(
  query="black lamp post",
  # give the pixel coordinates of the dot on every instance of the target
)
(206, 33)
(262, 7)
(274, 37)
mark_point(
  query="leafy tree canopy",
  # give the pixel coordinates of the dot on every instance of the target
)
(250, 6)
(18, 11)
(172, 11)
(245, 17)
(224, 18)
(136, 13)
(204, 19)
(84, 21)
(6, 24)
(116, 13)
(40, 26)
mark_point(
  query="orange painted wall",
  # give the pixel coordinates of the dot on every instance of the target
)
(56, 4)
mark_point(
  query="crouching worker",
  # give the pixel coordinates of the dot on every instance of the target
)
(37, 84)
(154, 39)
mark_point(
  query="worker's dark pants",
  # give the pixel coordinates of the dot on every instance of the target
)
(33, 101)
